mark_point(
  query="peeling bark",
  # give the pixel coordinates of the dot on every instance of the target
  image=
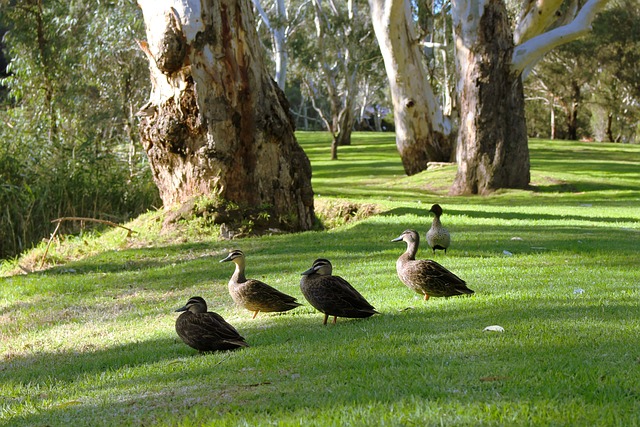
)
(492, 140)
(217, 125)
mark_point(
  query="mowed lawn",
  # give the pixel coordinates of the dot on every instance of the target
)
(91, 342)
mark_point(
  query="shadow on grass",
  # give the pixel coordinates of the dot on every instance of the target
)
(300, 366)
(186, 264)
(455, 210)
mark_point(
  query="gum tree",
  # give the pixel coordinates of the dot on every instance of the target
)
(216, 123)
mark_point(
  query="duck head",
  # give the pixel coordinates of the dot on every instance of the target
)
(320, 266)
(195, 305)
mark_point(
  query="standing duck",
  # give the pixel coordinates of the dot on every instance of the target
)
(205, 330)
(426, 277)
(332, 295)
(255, 295)
(438, 237)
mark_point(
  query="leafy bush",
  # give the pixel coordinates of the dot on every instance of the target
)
(69, 139)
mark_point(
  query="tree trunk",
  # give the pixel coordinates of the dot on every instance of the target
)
(609, 130)
(572, 119)
(423, 134)
(492, 140)
(217, 125)
(552, 119)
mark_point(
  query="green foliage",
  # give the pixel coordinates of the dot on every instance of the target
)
(595, 79)
(93, 342)
(69, 139)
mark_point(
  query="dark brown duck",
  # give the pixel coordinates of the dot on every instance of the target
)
(333, 295)
(205, 330)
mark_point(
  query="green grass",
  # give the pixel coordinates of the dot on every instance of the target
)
(92, 343)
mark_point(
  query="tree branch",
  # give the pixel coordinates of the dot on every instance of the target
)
(529, 52)
(74, 218)
(263, 15)
(535, 17)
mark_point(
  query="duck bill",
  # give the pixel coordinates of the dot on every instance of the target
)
(308, 272)
(228, 258)
(397, 239)
(182, 309)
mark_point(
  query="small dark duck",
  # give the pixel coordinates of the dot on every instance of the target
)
(438, 237)
(255, 295)
(426, 277)
(332, 295)
(205, 330)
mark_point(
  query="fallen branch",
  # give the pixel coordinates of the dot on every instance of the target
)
(75, 218)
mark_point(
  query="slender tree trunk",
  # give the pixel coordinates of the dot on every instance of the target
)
(422, 132)
(217, 124)
(609, 125)
(553, 120)
(279, 34)
(492, 140)
(572, 121)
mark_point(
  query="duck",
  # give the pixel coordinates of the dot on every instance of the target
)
(438, 237)
(333, 295)
(205, 330)
(254, 295)
(426, 277)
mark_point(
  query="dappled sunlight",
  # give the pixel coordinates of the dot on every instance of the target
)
(556, 270)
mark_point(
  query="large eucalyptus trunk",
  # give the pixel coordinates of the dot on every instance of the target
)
(492, 149)
(423, 134)
(216, 124)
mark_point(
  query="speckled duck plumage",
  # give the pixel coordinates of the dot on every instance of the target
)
(438, 237)
(333, 295)
(205, 330)
(254, 295)
(426, 277)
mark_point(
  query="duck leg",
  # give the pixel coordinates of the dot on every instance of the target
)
(335, 318)
(426, 296)
(326, 316)
(255, 313)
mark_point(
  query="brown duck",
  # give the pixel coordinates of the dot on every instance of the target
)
(426, 277)
(332, 295)
(255, 295)
(205, 330)
(438, 237)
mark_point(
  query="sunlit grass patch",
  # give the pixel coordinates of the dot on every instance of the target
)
(91, 342)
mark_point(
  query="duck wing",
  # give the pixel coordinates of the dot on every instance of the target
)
(436, 279)
(257, 295)
(208, 331)
(337, 297)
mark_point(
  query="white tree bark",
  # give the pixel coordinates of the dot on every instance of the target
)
(422, 130)
(279, 35)
(534, 48)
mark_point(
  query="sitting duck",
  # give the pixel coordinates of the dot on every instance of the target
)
(205, 330)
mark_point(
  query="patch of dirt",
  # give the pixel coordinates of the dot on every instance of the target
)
(334, 213)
